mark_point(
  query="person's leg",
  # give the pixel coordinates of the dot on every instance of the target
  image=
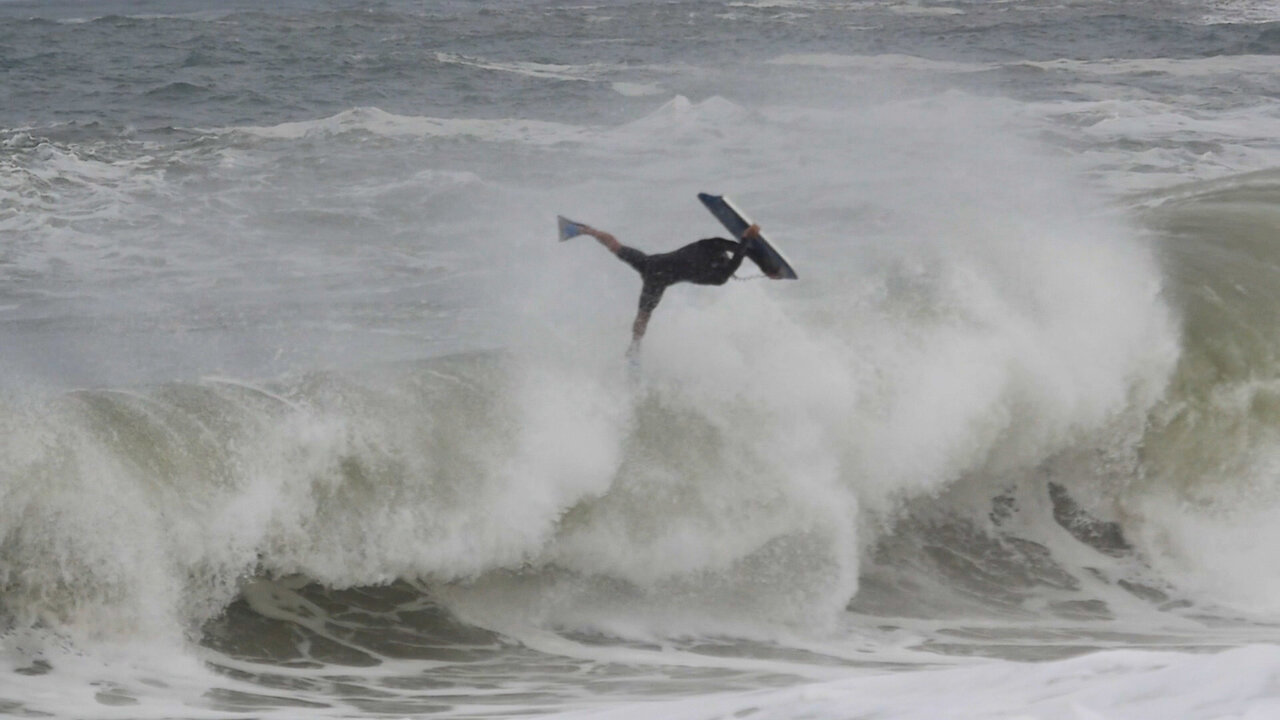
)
(637, 332)
(629, 255)
(749, 239)
(633, 257)
(605, 238)
(649, 297)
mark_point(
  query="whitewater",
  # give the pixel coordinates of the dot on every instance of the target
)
(305, 412)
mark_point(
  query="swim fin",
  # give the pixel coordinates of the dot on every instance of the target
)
(569, 228)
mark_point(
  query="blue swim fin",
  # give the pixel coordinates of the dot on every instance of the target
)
(569, 228)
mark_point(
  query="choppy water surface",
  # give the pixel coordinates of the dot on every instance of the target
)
(306, 413)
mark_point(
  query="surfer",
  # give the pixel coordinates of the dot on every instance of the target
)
(706, 262)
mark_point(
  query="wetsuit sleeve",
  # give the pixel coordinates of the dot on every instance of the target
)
(724, 268)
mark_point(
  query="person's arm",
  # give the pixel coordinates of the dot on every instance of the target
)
(738, 251)
(751, 233)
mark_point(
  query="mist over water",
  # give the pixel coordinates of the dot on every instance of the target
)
(306, 412)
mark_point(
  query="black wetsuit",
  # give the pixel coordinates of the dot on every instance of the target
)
(706, 262)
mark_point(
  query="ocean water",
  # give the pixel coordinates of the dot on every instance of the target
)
(304, 412)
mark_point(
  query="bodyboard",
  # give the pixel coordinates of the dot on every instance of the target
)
(760, 250)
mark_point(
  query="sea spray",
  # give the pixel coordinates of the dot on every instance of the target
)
(307, 413)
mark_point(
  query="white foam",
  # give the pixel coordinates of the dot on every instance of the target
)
(1234, 12)
(1233, 65)
(139, 679)
(528, 69)
(379, 122)
(629, 89)
(1116, 685)
(961, 341)
(1238, 126)
(570, 73)
(782, 4)
(914, 7)
(880, 63)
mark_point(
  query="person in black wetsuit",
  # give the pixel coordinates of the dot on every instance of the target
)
(706, 262)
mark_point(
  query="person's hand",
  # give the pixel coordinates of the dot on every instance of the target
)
(752, 232)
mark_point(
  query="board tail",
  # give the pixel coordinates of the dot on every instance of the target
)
(569, 228)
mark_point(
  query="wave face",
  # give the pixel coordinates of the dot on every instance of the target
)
(304, 410)
(987, 330)
(1207, 486)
